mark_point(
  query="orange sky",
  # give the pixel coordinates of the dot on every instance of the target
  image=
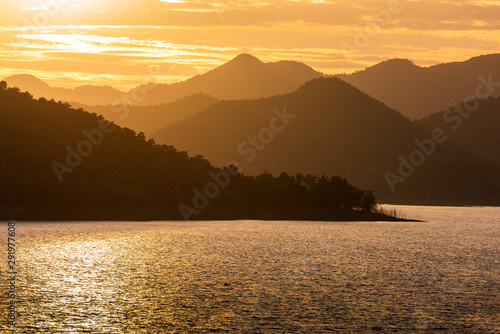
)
(73, 42)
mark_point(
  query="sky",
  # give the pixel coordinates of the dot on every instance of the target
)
(121, 42)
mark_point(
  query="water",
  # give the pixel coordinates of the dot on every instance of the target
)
(440, 276)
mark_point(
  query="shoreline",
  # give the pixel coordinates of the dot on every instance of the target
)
(318, 216)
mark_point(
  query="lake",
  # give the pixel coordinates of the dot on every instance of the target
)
(438, 276)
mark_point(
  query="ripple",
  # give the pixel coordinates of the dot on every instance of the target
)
(261, 277)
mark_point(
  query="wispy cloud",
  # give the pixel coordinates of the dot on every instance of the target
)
(104, 39)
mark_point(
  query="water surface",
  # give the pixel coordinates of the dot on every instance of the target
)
(441, 276)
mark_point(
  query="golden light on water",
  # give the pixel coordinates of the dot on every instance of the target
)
(78, 274)
(249, 276)
(95, 283)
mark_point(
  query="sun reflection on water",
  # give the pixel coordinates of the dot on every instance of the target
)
(256, 277)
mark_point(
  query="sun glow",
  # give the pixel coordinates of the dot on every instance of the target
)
(56, 36)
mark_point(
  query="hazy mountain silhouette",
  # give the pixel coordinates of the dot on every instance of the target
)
(151, 118)
(60, 163)
(477, 131)
(298, 73)
(29, 83)
(244, 77)
(88, 94)
(417, 91)
(337, 130)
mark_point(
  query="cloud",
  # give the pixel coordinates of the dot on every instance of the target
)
(118, 38)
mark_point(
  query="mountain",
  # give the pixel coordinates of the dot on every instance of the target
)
(417, 91)
(60, 163)
(477, 131)
(330, 127)
(151, 118)
(28, 83)
(244, 77)
(91, 95)
(298, 73)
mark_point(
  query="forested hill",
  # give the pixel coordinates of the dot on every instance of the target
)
(333, 128)
(60, 163)
(418, 92)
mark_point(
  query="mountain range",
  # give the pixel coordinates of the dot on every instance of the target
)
(244, 77)
(88, 94)
(398, 83)
(417, 92)
(284, 116)
(149, 119)
(333, 128)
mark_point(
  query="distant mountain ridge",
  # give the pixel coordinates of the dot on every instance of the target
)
(149, 119)
(244, 77)
(92, 95)
(417, 91)
(414, 91)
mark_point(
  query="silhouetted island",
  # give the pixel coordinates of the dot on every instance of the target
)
(58, 163)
